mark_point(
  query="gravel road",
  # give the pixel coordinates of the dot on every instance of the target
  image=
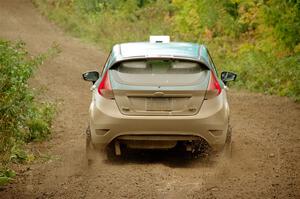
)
(266, 135)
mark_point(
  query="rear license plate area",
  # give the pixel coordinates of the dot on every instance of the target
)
(158, 104)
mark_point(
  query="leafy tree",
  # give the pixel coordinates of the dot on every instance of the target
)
(284, 18)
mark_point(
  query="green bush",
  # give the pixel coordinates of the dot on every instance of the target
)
(259, 71)
(22, 118)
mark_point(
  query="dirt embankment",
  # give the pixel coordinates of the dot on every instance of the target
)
(266, 153)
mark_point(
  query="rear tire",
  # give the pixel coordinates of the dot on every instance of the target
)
(89, 148)
(228, 143)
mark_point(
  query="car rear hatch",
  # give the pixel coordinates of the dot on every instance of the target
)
(159, 86)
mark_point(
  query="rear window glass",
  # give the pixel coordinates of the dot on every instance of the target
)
(160, 67)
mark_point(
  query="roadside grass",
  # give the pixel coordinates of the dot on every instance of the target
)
(23, 119)
(110, 26)
(260, 72)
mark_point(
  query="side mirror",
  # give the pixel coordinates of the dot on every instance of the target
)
(91, 76)
(228, 76)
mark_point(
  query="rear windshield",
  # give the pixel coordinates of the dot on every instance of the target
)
(160, 67)
(159, 72)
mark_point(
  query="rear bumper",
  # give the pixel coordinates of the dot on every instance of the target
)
(210, 123)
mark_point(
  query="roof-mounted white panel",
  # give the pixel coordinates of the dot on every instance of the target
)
(159, 39)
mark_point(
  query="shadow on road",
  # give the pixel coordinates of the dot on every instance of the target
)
(170, 158)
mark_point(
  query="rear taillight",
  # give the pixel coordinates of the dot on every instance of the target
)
(105, 88)
(214, 88)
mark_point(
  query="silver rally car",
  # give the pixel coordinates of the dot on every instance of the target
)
(157, 95)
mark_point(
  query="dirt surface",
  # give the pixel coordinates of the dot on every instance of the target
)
(266, 135)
